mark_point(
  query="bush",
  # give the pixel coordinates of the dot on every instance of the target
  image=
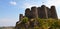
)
(25, 20)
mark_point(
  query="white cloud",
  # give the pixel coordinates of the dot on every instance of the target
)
(13, 3)
(53, 2)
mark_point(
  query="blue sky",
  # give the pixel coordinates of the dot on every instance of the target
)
(10, 9)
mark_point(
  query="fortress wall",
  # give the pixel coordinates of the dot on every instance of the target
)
(27, 12)
(34, 12)
(44, 12)
(53, 12)
(39, 12)
(48, 12)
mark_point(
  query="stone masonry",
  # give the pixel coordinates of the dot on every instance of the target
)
(41, 12)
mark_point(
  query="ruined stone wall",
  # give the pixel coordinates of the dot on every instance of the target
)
(53, 12)
(27, 12)
(34, 12)
(49, 12)
(41, 12)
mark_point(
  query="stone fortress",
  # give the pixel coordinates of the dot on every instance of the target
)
(40, 12)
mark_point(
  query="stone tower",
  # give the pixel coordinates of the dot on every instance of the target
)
(49, 12)
(43, 12)
(39, 12)
(34, 12)
(53, 12)
(27, 12)
(20, 17)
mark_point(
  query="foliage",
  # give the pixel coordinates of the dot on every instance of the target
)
(45, 23)
(25, 20)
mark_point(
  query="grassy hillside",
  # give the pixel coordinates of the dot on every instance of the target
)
(37, 23)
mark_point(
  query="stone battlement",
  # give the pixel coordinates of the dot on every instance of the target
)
(41, 12)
